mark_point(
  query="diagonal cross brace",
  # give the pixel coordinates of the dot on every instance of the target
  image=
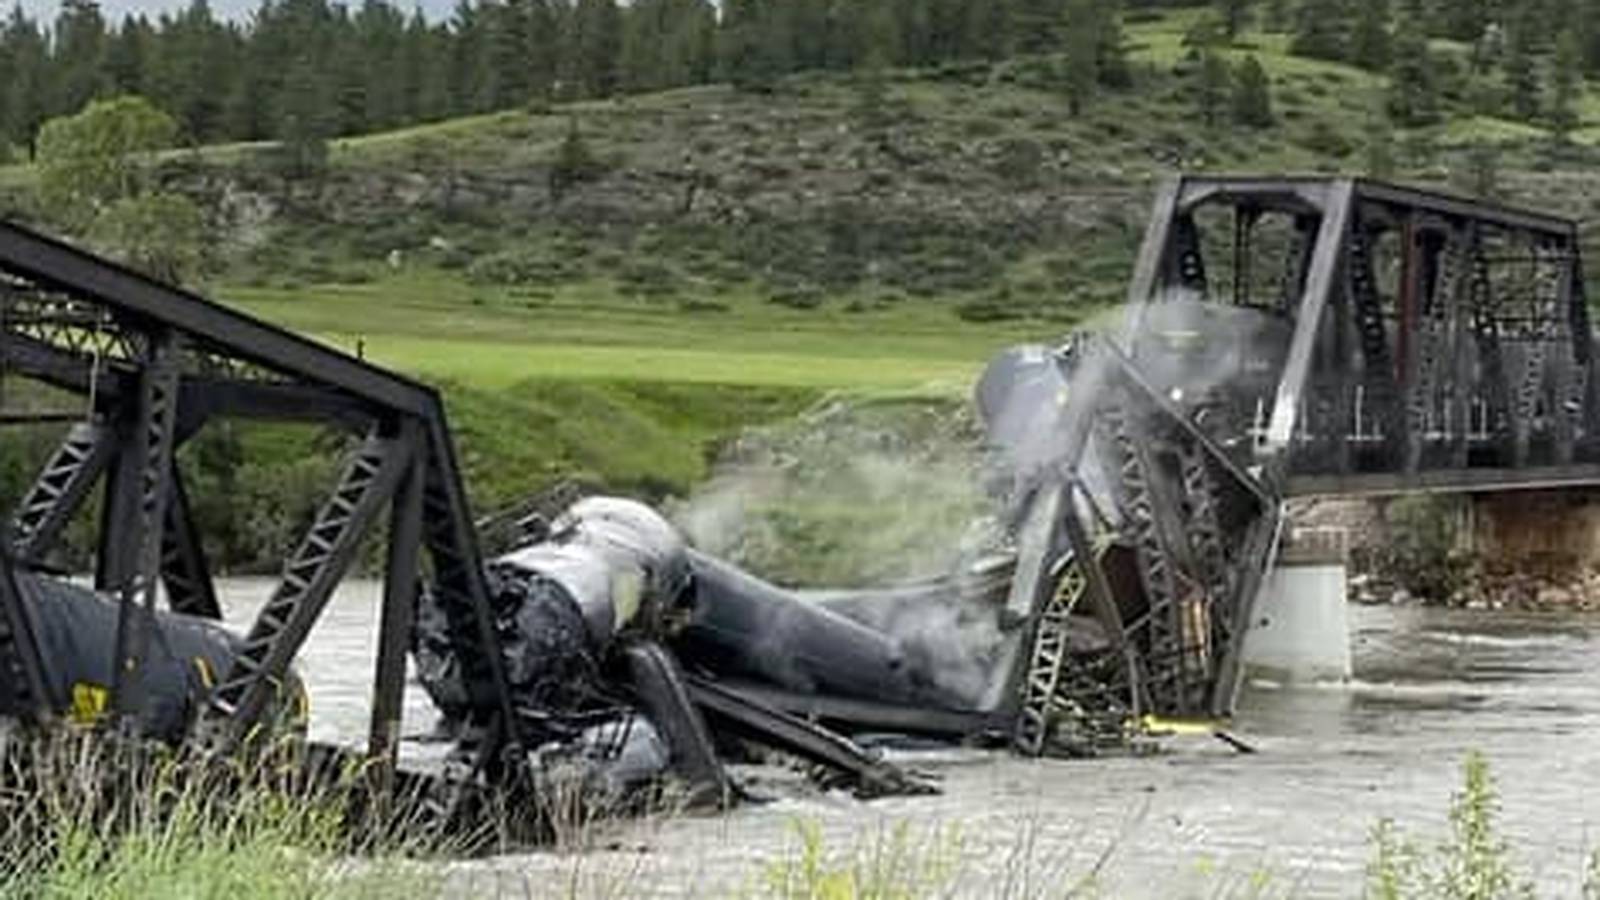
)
(262, 663)
(24, 689)
(461, 588)
(60, 489)
(184, 570)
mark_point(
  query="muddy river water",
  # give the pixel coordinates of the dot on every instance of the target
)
(1198, 820)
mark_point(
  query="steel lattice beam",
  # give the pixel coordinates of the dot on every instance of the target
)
(59, 490)
(24, 687)
(400, 592)
(463, 595)
(184, 571)
(152, 455)
(260, 667)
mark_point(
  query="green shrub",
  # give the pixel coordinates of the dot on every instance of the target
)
(1325, 138)
(1474, 864)
(695, 305)
(1019, 160)
(1419, 554)
(799, 296)
(994, 306)
(536, 266)
(649, 278)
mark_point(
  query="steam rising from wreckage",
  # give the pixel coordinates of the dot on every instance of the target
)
(1283, 336)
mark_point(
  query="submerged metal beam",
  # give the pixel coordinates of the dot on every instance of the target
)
(762, 723)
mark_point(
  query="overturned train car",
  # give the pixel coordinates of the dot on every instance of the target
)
(1094, 620)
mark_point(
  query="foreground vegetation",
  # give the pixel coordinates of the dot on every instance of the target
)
(165, 833)
(83, 819)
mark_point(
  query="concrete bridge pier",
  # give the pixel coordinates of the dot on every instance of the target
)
(1300, 631)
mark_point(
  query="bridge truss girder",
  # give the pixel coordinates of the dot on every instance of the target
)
(154, 365)
(1435, 339)
(1284, 336)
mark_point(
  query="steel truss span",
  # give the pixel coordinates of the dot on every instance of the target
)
(154, 365)
(1283, 336)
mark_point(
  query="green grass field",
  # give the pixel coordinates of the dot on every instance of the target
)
(491, 338)
(620, 392)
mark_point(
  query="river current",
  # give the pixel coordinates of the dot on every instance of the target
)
(1197, 820)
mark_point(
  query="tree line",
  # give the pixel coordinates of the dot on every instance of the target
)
(1518, 59)
(315, 67)
(300, 71)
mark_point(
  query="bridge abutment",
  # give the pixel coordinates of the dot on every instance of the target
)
(1548, 533)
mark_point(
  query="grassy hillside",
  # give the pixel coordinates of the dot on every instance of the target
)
(608, 288)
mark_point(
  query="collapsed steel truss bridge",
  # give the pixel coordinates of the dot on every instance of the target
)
(1283, 337)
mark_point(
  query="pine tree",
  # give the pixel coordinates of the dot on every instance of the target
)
(990, 27)
(873, 56)
(1380, 145)
(379, 34)
(26, 105)
(411, 63)
(1413, 95)
(1481, 174)
(1111, 48)
(1277, 16)
(1521, 75)
(198, 72)
(1566, 79)
(434, 95)
(8, 76)
(125, 55)
(1213, 86)
(596, 42)
(877, 35)
(1319, 30)
(80, 40)
(574, 163)
(1587, 14)
(1037, 25)
(505, 29)
(741, 46)
(1252, 94)
(1465, 20)
(1369, 46)
(916, 31)
(245, 113)
(307, 118)
(544, 47)
(1236, 16)
(1082, 67)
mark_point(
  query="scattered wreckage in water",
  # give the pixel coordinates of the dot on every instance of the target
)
(640, 655)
